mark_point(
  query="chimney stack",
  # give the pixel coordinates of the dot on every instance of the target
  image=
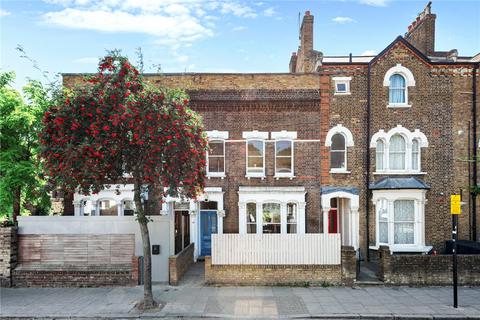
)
(306, 33)
(421, 32)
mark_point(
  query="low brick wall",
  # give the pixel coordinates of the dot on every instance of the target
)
(8, 254)
(271, 274)
(403, 269)
(180, 263)
(72, 276)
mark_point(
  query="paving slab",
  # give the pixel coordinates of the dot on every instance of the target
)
(193, 299)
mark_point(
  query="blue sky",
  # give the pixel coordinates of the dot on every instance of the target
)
(212, 35)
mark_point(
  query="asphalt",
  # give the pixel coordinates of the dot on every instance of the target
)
(193, 299)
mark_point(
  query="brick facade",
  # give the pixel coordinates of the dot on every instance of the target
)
(304, 101)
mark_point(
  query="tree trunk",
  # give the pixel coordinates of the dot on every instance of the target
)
(148, 301)
(17, 195)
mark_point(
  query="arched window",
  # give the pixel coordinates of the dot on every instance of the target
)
(108, 207)
(291, 218)
(397, 92)
(338, 152)
(379, 155)
(415, 155)
(251, 217)
(397, 152)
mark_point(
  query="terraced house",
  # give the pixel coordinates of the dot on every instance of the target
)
(351, 152)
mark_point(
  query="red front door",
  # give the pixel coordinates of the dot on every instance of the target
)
(333, 221)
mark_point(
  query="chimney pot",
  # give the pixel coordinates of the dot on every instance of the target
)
(307, 13)
(294, 53)
(418, 19)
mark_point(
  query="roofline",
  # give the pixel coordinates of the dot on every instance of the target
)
(151, 74)
(425, 58)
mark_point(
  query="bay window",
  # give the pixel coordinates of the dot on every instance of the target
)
(291, 218)
(251, 217)
(271, 218)
(397, 152)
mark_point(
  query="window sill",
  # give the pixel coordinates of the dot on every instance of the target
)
(399, 105)
(216, 175)
(404, 248)
(342, 93)
(340, 171)
(399, 173)
(255, 176)
(279, 176)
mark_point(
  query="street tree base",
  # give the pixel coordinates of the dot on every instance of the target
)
(150, 306)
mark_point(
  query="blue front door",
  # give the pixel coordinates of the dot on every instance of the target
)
(208, 225)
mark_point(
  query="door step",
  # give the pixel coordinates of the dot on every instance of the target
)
(369, 283)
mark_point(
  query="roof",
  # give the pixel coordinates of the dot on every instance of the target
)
(343, 59)
(331, 189)
(388, 183)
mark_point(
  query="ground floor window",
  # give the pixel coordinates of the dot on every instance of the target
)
(251, 217)
(400, 219)
(292, 218)
(271, 218)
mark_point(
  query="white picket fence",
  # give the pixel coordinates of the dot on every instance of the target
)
(276, 249)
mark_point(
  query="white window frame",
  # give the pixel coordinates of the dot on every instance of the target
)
(280, 195)
(255, 136)
(409, 82)
(342, 80)
(347, 134)
(409, 137)
(289, 136)
(390, 196)
(216, 135)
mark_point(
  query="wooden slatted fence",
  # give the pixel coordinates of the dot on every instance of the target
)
(76, 249)
(276, 249)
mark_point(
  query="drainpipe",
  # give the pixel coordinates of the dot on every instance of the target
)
(475, 152)
(367, 180)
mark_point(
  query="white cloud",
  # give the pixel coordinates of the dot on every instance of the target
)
(237, 9)
(4, 13)
(239, 28)
(369, 53)
(269, 12)
(343, 20)
(375, 3)
(184, 28)
(173, 23)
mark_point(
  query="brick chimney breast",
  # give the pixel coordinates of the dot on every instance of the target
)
(421, 32)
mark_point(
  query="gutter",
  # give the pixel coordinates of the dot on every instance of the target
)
(475, 152)
(367, 179)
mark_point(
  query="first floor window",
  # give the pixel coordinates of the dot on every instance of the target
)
(397, 152)
(216, 156)
(255, 156)
(291, 218)
(404, 221)
(251, 217)
(283, 157)
(271, 218)
(338, 152)
(380, 152)
(415, 155)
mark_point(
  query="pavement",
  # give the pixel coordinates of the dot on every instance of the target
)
(193, 299)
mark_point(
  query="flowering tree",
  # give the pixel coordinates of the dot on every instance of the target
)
(115, 123)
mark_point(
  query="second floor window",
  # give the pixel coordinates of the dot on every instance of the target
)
(255, 157)
(397, 92)
(216, 157)
(283, 158)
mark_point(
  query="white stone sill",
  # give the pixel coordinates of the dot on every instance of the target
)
(399, 173)
(396, 248)
(340, 171)
(399, 106)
